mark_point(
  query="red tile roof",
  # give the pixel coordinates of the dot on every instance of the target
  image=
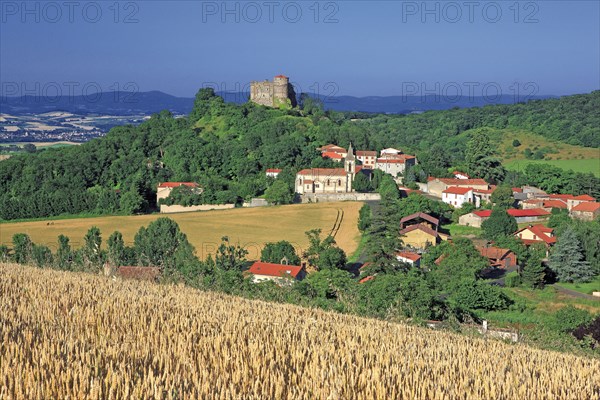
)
(177, 184)
(532, 212)
(457, 190)
(366, 279)
(275, 170)
(493, 252)
(409, 255)
(324, 172)
(542, 232)
(421, 215)
(561, 196)
(584, 197)
(586, 207)
(554, 204)
(517, 190)
(277, 270)
(332, 155)
(366, 153)
(281, 76)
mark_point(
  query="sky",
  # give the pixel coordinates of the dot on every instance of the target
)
(357, 48)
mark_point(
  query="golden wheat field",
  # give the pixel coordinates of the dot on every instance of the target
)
(78, 336)
(250, 227)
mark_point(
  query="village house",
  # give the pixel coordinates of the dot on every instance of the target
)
(332, 148)
(390, 151)
(333, 156)
(435, 186)
(281, 274)
(164, 189)
(456, 196)
(367, 158)
(544, 204)
(409, 257)
(329, 180)
(273, 172)
(395, 165)
(476, 218)
(420, 230)
(536, 234)
(577, 200)
(586, 211)
(460, 175)
(498, 257)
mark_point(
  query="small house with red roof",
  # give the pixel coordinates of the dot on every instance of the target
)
(281, 274)
(273, 172)
(367, 158)
(536, 234)
(409, 257)
(498, 257)
(585, 211)
(456, 196)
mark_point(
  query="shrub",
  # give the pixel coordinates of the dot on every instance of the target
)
(512, 279)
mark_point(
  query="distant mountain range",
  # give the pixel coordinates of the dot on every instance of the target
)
(143, 103)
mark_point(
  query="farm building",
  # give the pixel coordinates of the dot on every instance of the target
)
(281, 274)
(476, 218)
(420, 230)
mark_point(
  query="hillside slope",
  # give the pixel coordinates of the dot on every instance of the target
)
(68, 335)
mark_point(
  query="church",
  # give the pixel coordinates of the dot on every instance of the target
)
(329, 180)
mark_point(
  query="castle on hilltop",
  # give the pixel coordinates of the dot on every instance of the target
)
(273, 94)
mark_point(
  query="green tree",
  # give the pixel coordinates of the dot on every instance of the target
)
(275, 252)
(41, 255)
(22, 247)
(64, 254)
(566, 259)
(316, 246)
(116, 249)
(534, 270)
(162, 244)
(361, 183)
(364, 218)
(279, 193)
(132, 202)
(91, 252)
(4, 253)
(331, 257)
(498, 225)
(502, 197)
(478, 295)
(481, 160)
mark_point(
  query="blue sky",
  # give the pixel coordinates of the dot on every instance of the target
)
(359, 48)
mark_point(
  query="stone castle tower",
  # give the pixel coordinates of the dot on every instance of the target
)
(273, 94)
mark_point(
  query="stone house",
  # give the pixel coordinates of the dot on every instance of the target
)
(456, 196)
(536, 234)
(164, 189)
(367, 158)
(395, 165)
(586, 211)
(420, 230)
(435, 186)
(498, 257)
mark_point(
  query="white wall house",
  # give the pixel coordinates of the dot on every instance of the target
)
(457, 196)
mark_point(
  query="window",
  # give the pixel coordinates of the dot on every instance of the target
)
(339, 182)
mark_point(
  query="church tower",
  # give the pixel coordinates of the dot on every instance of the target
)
(350, 167)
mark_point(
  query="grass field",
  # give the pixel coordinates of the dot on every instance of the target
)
(587, 288)
(587, 165)
(83, 336)
(250, 227)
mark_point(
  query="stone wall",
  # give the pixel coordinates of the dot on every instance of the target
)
(203, 207)
(332, 197)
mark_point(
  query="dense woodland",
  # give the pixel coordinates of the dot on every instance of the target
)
(226, 148)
